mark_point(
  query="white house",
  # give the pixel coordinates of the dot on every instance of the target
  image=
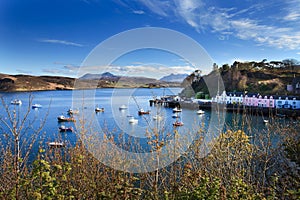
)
(220, 98)
(258, 101)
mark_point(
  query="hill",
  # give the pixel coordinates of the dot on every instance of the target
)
(253, 77)
(106, 80)
(28, 83)
(174, 78)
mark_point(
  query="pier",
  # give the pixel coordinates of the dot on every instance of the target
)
(252, 110)
(174, 104)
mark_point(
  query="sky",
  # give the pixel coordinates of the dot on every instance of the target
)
(54, 37)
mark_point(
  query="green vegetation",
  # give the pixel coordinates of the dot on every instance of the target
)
(257, 77)
(238, 166)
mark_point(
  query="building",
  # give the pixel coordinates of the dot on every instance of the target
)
(296, 85)
(266, 102)
(256, 100)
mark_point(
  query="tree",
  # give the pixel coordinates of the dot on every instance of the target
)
(19, 146)
(225, 67)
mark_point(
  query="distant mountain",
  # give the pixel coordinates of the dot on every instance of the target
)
(104, 75)
(106, 80)
(174, 78)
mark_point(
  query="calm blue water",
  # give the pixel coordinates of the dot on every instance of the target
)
(112, 121)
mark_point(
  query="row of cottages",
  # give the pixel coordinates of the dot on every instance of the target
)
(257, 100)
(288, 102)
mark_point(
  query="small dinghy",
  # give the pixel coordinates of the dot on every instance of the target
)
(132, 120)
(36, 106)
(62, 128)
(16, 102)
(62, 118)
(178, 124)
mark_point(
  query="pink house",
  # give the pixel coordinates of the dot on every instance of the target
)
(265, 102)
(246, 100)
(254, 101)
(250, 101)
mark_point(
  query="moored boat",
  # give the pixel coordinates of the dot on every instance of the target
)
(62, 118)
(16, 102)
(36, 105)
(177, 109)
(132, 120)
(72, 112)
(175, 116)
(200, 112)
(56, 144)
(143, 112)
(178, 123)
(63, 128)
(99, 109)
(123, 107)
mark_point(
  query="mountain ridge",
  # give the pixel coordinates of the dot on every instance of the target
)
(174, 77)
(22, 82)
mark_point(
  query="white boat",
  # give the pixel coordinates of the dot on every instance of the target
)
(157, 117)
(62, 118)
(143, 112)
(200, 112)
(132, 120)
(99, 109)
(56, 144)
(266, 121)
(36, 106)
(177, 109)
(123, 107)
(178, 124)
(72, 112)
(175, 116)
(63, 128)
(16, 102)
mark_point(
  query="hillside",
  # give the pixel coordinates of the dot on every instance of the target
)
(28, 83)
(10, 83)
(174, 78)
(253, 77)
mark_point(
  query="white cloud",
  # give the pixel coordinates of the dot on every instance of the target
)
(243, 23)
(138, 12)
(64, 42)
(293, 16)
(157, 6)
(292, 11)
(145, 70)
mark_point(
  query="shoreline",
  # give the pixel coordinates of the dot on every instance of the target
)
(269, 112)
(68, 89)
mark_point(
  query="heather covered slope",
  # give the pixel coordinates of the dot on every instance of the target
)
(253, 77)
(33, 83)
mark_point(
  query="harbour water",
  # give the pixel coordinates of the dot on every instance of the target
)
(112, 120)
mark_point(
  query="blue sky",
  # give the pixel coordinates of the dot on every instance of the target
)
(54, 37)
